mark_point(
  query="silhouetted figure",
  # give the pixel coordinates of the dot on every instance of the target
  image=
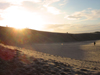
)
(94, 43)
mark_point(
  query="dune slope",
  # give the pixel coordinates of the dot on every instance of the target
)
(38, 63)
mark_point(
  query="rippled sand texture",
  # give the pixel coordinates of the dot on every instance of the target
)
(40, 63)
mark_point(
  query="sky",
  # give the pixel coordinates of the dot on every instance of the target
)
(62, 16)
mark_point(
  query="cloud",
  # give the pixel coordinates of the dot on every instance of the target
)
(73, 17)
(95, 14)
(48, 2)
(57, 27)
(54, 26)
(87, 14)
(18, 1)
(53, 10)
(63, 2)
(33, 6)
(72, 28)
(76, 15)
(39, 7)
(4, 5)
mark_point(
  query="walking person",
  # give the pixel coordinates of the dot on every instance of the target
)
(94, 43)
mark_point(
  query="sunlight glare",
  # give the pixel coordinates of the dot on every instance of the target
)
(22, 19)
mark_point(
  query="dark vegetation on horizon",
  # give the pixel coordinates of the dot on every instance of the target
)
(11, 36)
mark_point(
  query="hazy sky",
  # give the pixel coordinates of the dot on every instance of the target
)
(73, 16)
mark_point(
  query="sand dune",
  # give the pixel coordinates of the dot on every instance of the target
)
(76, 50)
(81, 58)
(29, 36)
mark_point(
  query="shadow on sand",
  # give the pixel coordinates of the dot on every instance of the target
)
(70, 50)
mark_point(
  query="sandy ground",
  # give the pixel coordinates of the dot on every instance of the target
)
(78, 50)
(81, 58)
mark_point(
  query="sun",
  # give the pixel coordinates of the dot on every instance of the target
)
(19, 27)
(20, 19)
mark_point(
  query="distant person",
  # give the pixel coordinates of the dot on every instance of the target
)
(94, 43)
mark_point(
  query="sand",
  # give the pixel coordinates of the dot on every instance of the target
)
(84, 50)
(81, 58)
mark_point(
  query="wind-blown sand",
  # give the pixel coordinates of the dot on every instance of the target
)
(78, 58)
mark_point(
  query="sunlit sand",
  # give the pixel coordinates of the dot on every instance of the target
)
(60, 58)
